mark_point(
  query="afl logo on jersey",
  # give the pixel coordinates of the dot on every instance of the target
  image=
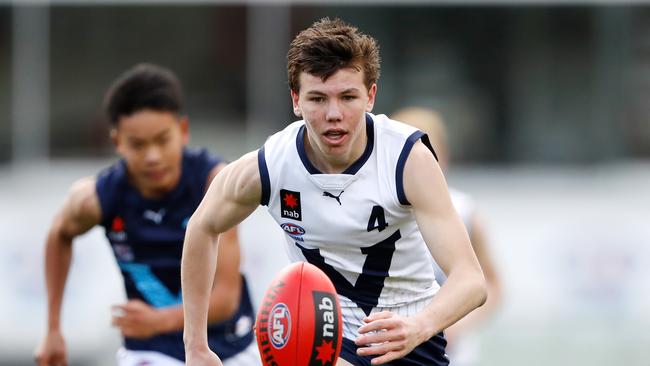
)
(279, 325)
(295, 232)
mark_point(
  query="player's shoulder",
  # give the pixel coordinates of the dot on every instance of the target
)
(111, 175)
(82, 197)
(83, 186)
(201, 156)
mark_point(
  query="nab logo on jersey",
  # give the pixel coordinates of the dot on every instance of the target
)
(279, 325)
(117, 232)
(290, 205)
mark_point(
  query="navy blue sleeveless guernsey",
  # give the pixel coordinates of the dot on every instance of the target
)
(146, 236)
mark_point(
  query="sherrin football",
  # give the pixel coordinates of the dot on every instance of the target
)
(299, 320)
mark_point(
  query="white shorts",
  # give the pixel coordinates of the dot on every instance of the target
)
(248, 357)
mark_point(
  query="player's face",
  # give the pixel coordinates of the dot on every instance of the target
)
(151, 142)
(334, 112)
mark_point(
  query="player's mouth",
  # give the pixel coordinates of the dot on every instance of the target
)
(334, 136)
(156, 175)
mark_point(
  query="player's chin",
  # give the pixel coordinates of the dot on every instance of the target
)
(338, 151)
(159, 183)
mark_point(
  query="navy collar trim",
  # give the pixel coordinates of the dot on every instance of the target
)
(352, 169)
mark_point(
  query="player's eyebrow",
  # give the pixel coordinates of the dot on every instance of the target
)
(349, 91)
(157, 136)
(162, 133)
(346, 91)
(315, 92)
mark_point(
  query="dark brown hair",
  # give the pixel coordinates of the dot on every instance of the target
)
(328, 46)
(144, 86)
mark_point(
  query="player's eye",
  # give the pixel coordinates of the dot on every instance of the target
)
(317, 99)
(349, 98)
(163, 140)
(136, 145)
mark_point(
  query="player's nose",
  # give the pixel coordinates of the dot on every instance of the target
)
(153, 154)
(333, 113)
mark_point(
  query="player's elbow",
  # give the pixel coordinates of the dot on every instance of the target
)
(480, 289)
(198, 225)
(58, 236)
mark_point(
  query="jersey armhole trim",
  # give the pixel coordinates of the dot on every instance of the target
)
(264, 177)
(401, 162)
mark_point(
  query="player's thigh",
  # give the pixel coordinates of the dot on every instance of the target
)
(127, 357)
(342, 362)
(248, 357)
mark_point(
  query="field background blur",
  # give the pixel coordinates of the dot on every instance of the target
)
(547, 103)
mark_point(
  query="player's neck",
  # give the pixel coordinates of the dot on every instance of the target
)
(155, 192)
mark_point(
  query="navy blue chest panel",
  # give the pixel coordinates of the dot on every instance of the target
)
(147, 235)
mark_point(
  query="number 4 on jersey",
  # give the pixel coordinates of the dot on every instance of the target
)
(377, 219)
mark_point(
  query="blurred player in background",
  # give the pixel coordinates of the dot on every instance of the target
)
(463, 346)
(144, 202)
(371, 202)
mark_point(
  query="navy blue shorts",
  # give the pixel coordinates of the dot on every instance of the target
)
(429, 353)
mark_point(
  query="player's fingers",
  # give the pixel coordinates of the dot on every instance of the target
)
(127, 331)
(118, 310)
(120, 321)
(63, 360)
(390, 356)
(40, 359)
(131, 331)
(379, 338)
(377, 325)
(383, 342)
(51, 360)
(131, 305)
(382, 348)
(115, 321)
(378, 315)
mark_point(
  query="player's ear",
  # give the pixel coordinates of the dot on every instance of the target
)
(372, 93)
(114, 137)
(296, 106)
(184, 124)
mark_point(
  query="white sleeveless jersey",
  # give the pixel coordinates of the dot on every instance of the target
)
(357, 226)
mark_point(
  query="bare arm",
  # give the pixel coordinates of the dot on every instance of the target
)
(445, 235)
(79, 213)
(233, 195)
(226, 289)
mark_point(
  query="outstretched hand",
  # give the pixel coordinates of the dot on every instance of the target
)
(136, 319)
(388, 336)
(51, 351)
